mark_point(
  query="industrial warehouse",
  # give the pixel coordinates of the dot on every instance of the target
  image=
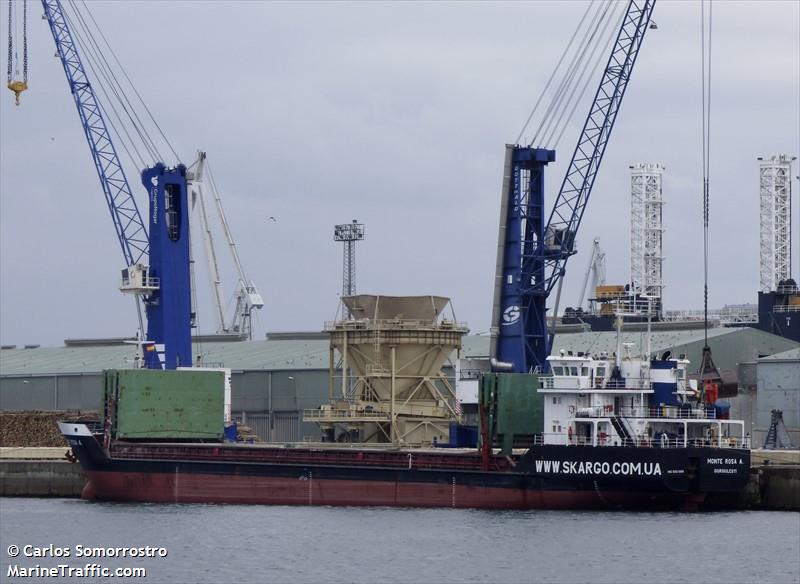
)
(274, 381)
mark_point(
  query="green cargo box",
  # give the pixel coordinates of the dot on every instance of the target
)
(148, 404)
(513, 405)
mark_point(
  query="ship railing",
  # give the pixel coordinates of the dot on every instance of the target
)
(675, 412)
(210, 365)
(569, 382)
(373, 324)
(733, 314)
(660, 441)
(787, 308)
(668, 412)
(94, 426)
(320, 414)
(472, 373)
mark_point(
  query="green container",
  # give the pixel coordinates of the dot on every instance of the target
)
(148, 404)
(513, 405)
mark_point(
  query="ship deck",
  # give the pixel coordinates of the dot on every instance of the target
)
(322, 455)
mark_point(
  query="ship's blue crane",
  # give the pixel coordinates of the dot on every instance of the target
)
(157, 258)
(532, 255)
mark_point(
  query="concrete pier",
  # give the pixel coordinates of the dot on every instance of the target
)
(40, 478)
(774, 480)
(39, 472)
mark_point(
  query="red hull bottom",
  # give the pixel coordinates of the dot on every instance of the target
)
(237, 489)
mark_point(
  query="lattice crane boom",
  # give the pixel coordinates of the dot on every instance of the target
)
(570, 204)
(128, 224)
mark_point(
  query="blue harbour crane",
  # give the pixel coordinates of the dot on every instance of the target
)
(156, 257)
(532, 254)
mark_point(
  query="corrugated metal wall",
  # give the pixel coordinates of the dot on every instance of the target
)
(284, 427)
(254, 393)
(779, 389)
(51, 392)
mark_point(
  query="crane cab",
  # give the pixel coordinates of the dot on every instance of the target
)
(136, 279)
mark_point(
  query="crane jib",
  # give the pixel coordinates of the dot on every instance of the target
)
(130, 229)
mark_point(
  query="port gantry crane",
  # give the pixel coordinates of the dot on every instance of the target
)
(157, 258)
(246, 295)
(596, 271)
(532, 255)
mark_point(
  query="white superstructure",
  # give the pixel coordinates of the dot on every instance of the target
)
(600, 400)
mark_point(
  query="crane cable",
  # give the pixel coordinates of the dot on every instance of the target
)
(708, 373)
(130, 82)
(706, 131)
(553, 74)
(17, 85)
(596, 67)
(102, 80)
(581, 70)
(568, 80)
(574, 69)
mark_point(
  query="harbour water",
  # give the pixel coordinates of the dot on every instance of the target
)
(214, 543)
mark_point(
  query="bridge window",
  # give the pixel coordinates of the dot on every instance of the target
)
(558, 371)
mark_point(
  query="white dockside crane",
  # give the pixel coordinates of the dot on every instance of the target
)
(596, 270)
(246, 295)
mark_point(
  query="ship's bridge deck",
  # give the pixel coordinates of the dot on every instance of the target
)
(583, 384)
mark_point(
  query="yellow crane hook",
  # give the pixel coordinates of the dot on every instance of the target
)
(17, 87)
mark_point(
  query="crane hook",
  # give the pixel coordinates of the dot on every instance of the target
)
(17, 87)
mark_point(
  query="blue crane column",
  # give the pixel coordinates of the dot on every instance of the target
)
(532, 256)
(518, 306)
(168, 306)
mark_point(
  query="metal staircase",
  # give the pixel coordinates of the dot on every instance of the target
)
(777, 436)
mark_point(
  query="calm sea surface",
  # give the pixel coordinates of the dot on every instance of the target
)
(213, 543)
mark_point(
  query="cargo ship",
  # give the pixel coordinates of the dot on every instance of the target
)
(611, 432)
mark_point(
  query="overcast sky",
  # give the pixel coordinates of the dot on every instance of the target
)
(395, 114)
